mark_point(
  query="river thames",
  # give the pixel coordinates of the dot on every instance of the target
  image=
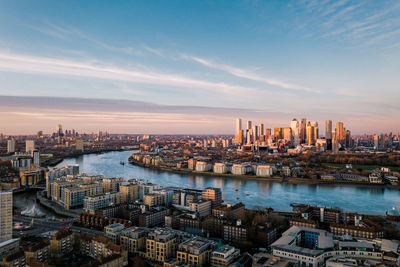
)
(252, 192)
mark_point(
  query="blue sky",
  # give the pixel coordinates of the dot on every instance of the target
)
(267, 61)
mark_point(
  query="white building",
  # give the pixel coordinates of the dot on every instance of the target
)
(238, 169)
(11, 146)
(29, 146)
(220, 168)
(203, 166)
(264, 171)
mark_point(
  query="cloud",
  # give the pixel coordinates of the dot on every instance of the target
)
(363, 23)
(52, 66)
(242, 73)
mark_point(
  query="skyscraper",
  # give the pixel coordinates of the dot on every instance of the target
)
(29, 146)
(310, 134)
(11, 146)
(303, 130)
(314, 124)
(5, 216)
(239, 132)
(294, 125)
(59, 129)
(238, 125)
(328, 129)
(248, 125)
(339, 131)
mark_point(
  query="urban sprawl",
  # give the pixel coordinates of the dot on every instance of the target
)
(112, 221)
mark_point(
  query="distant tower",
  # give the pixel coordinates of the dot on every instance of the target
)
(238, 125)
(339, 131)
(303, 130)
(310, 134)
(29, 146)
(11, 146)
(328, 129)
(294, 125)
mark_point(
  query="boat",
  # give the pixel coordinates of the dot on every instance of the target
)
(122, 163)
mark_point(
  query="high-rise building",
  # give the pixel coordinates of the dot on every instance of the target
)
(339, 131)
(310, 134)
(11, 146)
(255, 133)
(267, 133)
(303, 130)
(278, 133)
(5, 216)
(314, 124)
(238, 125)
(36, 157)
(348, 138)
(328, 129)
(59, 130)
(260, 131)
(248, 125)
(294, 125)
(29, 146)
(287, 133)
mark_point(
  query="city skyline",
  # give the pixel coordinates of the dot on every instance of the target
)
(197, 63)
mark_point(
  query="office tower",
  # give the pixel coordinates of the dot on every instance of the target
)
(39, 134)
(328, 129)
(314, 124)
(249, 136)
(59, 129)
(287, 134)
(29, 146)
(11, 146)
(294, 125)
(278, 133)
(5, 216)
(303, 130)
(238, 125)
(267, 133)
(248, 125)
(1, 137)
(348, 139)
(255, 133)
(339, 131)
(261, 131)
(310, 134)
(335, 144)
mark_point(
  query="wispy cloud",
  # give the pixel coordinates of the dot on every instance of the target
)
(101, 70)
(67, 33)
(353, 22)
(243, 73)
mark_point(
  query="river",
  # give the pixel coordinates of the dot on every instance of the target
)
(253, 193)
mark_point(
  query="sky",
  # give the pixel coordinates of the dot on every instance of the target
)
(192, 67)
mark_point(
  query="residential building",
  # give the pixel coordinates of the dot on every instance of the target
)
(224, 256)
(6, 203)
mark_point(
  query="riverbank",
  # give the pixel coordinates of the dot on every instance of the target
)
(58, 159)
(54, 207)
(290, 180)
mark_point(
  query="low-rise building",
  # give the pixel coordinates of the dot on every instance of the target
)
(224, 256)
(195, 251)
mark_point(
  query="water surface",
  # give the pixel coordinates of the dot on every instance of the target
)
(253, 193)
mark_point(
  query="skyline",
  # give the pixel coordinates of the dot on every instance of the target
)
(198, 64)
(66, 111)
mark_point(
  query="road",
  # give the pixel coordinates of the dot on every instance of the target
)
(42, 225)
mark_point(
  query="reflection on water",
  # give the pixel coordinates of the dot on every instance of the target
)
(252, 192)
